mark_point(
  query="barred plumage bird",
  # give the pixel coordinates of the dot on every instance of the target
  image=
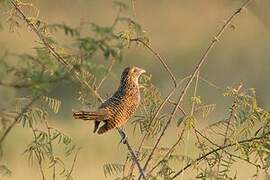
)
(116, 110)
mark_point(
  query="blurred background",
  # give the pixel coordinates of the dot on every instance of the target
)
(180, 31)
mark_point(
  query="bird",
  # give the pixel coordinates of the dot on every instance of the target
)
(116, 110)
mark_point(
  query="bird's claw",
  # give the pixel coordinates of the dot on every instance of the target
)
(123, 139)
(123, 136)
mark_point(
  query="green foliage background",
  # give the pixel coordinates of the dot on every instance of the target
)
(89, 35)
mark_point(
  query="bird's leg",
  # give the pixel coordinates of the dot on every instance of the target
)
(123, 135)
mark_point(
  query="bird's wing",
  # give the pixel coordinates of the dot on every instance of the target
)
(97, 115)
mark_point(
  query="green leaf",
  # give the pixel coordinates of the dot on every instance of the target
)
(112, 169)
(53, 103)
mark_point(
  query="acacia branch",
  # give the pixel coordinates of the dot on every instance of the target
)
(218, 149)
(52, 50)
(169, 152)
(158, 56)
(17, 118)
(133, 155)
(197, 68)
(73, 165)
(106, 76)
(233, 155)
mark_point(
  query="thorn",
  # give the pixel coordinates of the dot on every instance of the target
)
(215, 39)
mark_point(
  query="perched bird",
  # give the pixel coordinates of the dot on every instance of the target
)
(116, 110)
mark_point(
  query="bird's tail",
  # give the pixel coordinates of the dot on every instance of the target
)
(98, 115)
(84, 115)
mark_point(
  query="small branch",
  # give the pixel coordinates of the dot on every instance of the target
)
(106, 76)
(170, 151)
(233, 155)
(133, 155)
(24, 110)
(53, 51)
(228, 120)
(73, 164)
(27, 85)
(180, 108)
(215, 151)
(192, 113)
(158, 56)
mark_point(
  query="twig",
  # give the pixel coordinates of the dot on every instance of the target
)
(192, 113)
(73, 164)
(40, 167)
(195, 94)
(106, 76)
(210, 83)
(236, 156)
(180, 108)
(27, 85)
(169, 151)
(38, 152)
(228, 120)
(133, 155)
(216, 150)
(202, 60)
(24, 110)
(52, 50)
(158, 56)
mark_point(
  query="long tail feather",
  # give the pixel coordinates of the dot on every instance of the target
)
(84, 115)
(98, 115)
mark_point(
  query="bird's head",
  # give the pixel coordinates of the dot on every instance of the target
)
(132, 73)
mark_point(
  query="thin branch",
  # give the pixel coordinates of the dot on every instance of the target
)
(158, 56)
(133, 155)
(27, 85)
(195, 93)
(228, 120)
(24, 110)
(196, 161)
(192, 113)
(210, 83)
(180, 108)
(53, 51)
(201, 62)
(106, 76)
(169, 152)
(236, 156)
(73, 164)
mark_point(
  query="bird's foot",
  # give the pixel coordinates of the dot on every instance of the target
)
(123, 136)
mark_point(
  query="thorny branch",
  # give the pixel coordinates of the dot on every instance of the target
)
(24, 110)
(133, 155)
(53, 51)
(73, 164)
(228, 120)
(218, 149)
(158, 56)
(197, 68)
(61, 60)
(233, 155)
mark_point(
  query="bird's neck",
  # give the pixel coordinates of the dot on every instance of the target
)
(129, 85)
